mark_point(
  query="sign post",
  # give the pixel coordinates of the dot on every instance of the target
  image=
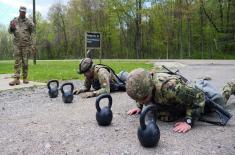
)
(93, 41)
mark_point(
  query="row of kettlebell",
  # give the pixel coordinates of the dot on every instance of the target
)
(67, 96)
(148, 134)
(103, 116)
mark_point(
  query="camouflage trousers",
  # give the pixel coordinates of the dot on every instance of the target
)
(228, 90)
(21, 56)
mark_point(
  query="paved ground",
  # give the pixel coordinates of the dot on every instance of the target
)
(32, 123)
(6, 78)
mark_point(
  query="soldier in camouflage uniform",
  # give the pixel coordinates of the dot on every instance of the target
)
(22, 29)
(228, 90)
(173, 97)
(102, 78)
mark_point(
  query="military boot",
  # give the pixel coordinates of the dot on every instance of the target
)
(25, 81)
(16, 81)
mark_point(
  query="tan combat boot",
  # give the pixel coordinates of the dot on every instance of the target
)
(16, 81)
(25, 81)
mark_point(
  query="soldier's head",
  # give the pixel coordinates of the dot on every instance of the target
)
(86, 67)
(22, 11)
(139, 85)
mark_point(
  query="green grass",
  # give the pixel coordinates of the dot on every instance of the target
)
(67, 69)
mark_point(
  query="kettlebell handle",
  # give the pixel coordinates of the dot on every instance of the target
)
(143, 114)
(52, 81)
(66, 84)
(97, 102)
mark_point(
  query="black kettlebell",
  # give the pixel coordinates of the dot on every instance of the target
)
(104, 116)
(148, 134)
(68, 95)
(53, 92)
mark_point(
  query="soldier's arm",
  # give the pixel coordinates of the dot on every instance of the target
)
(31, 29)
(86, 87)
(31, 26)
(136, 110)
(195, 110)
(104, 80)
(192, 98)
(11, 29)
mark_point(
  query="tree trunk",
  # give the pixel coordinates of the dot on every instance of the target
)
(221, 13)
(189, 36)
(181, 36)
(202, 32)
(65, 36)
(138, 41)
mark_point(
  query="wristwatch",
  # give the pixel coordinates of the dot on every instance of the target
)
(189, 121)
(94, 93)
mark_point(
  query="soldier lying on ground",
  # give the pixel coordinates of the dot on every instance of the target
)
(101, 77)
(173, 97)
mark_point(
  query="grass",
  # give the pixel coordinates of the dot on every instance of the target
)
(67, 69)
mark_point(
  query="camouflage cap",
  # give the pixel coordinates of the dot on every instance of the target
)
(22, 9)
(138, 84)
(85, 65)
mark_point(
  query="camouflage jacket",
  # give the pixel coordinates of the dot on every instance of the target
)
(102, 81)
(23, 31)
(174, 98)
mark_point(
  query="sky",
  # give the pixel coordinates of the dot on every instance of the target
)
(10, 8)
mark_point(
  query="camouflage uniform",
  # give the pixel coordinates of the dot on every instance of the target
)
(22, 44)
(103, 81)
(228, 90)
(173, 97)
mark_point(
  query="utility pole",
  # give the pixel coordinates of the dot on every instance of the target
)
(34, 21)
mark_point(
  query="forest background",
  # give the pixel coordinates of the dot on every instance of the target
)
(135, 29)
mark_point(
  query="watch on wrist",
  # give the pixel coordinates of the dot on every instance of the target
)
(189, 121)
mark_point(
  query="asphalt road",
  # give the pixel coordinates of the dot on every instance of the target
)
(32, 123)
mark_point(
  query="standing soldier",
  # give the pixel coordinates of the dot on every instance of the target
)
(173, 97)
(101, 77)
(22, 29)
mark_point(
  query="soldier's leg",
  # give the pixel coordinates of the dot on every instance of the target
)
(17, 65)
(123, 75)
(25, 54)
(18, 61)
(228, 90)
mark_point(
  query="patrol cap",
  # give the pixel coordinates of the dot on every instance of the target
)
(22, 9)
(85, 65)
(139, 84)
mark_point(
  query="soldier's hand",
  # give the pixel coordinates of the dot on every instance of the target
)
(181, 127)
(76, 92)
(87, 94)
(34, 50)
(134, 111)
(13, 25)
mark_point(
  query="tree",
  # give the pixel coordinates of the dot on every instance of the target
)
(57, 17)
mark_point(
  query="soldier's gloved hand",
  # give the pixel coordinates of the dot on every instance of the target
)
(76, 92)
(87, 94)
(134, 111)
(182, 127)
(13, 25)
